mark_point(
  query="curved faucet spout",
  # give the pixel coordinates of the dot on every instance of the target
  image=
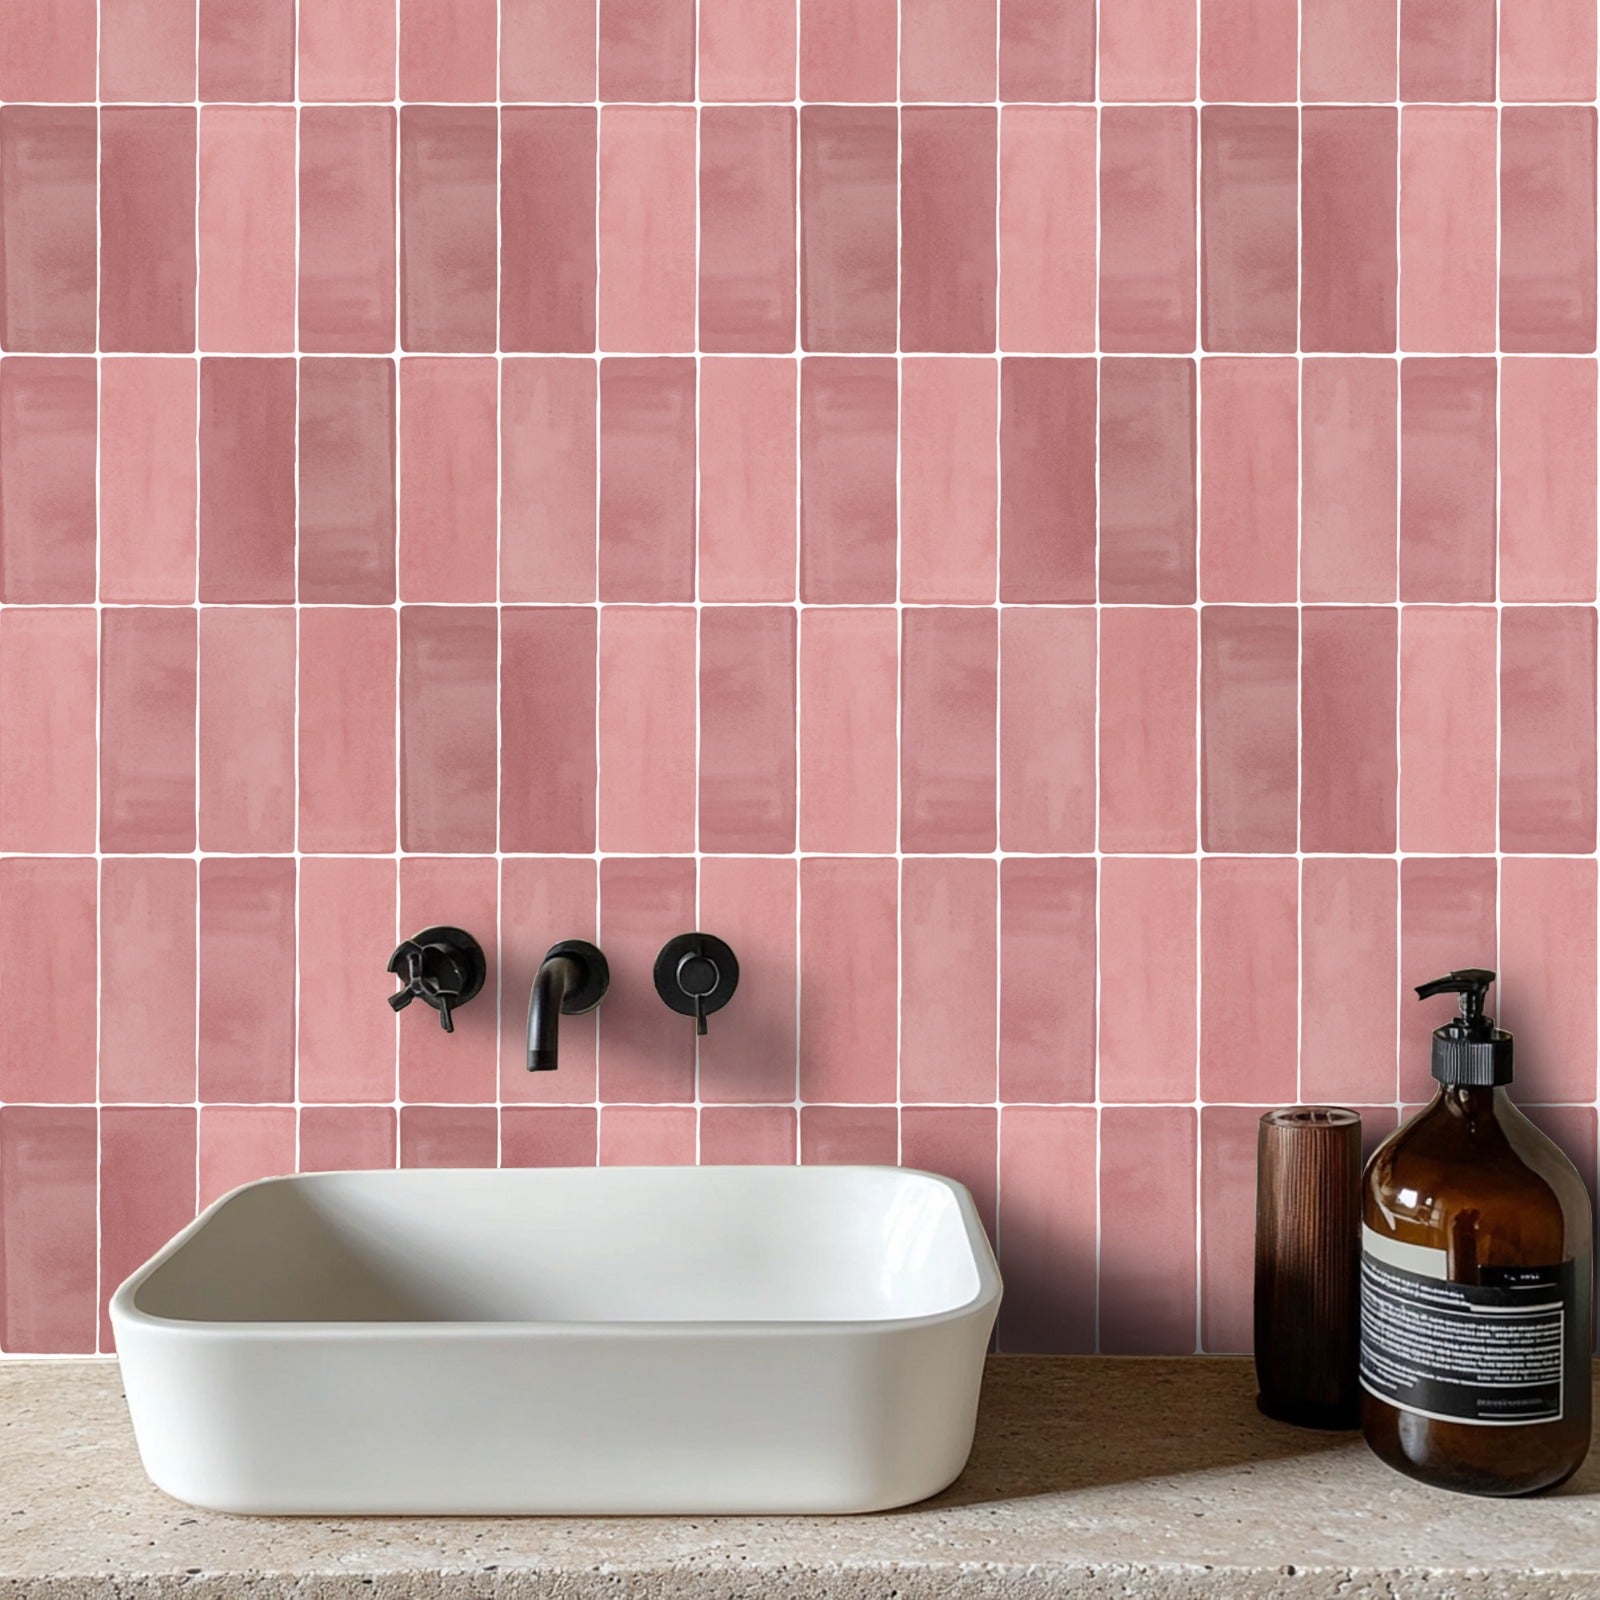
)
(571, 979)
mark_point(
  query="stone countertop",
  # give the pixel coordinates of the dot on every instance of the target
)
(1090, 1476)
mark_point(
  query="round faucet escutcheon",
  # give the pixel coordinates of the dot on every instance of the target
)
(443, 967)
(696, 974)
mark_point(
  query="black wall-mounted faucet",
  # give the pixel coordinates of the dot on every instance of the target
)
(696, 974)
(572, 978)
(444, 967)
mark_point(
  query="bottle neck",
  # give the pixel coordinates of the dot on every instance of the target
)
(1478, 1105)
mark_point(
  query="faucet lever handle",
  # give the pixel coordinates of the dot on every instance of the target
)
(696, 974)
(443, 966)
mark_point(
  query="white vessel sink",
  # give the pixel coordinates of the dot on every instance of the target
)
(583, 1341)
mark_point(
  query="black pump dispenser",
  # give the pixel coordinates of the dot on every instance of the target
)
(1468, 1051)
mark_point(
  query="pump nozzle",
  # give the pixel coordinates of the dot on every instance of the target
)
(1471, 983)
(1469, 1049)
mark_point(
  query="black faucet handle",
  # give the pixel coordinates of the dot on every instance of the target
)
(442, 966)
(696, 974)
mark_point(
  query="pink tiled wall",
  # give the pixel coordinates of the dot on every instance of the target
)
(1065, 531)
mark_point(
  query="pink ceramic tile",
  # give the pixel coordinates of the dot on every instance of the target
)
(747, 728)
(247, 475)
(1348, 264)
(147, 1189)
(648, 695)
(1547, 479)
(1249, 49)
(1249, 1023)
(47, 729)
(448, 49)
(247, 739)
(650, 1136)
(247, 935)
(1049, 1238)
(1349, 51)
(1348, 768)
(449, 483)
(47, 930)
(849, 251)
(1047, 49)
(239, 1144)
(1147, 50)
(749, 1054)
(1047, 479)
(347, 1138)
(48, 1157)
(1447, 920)
(1348, 937)
(147, 721)
(1250, 479)
(1047, 709)
(549, 1136)
(1249, 257)
(1349, 461)
(149, 484)
(747, 222)
(147, 966)
(346, 481)
(547, 721)
(1147, 1274)
(849, 49)
(247, 206)
(849, 1003)
(739, 1135)
(147, 50)
(1147, 732)
(948, 940)
(948, 49)
(548, 50)
(1047, 979)
(547, 227)
(448, 783)
(647, 228)
(1547, 956)
(849, 439)
(47, 227)
(247, 49)
(849, 684)
(1228, 1136)
(1547, 51)
(347, 50)
(548, 450)
(1249, 727)
(745, 53)
(647, 478)
(643, 903)
(1147, 257)
(948, 266)
(147, 231)
(949, 479)
(1047, 227)
(747, 479)
(948, 706)
(1147, 979)
(1547, 729)
(647, 49)
(1447, 228)
(1547, 228)
(1147, 482)
(849, 1135)
(1447, 728)
(449, 158)
(449, 1136)
(47, 50)
(347, 223)
(1447, 49)
(47, 488)
(959, 1142)
(346, 1046)
(346, 741)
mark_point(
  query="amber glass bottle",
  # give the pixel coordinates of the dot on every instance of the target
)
(1476, 1279)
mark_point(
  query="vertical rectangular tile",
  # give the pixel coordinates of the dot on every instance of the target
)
(1047, 479)
(1349, 268)
(147, 233)
(1249, 721)
(347, 1138)
(548, 50)
(448, 784)
(1047, 979)
(1147, 732)
(654, 1136)
(347, 50)
(47, 227)
(745, 54)
(548, 467)
(647, 49)
(961, 1141)
(849, 1135)
(448, 1136)
(1348, 768)
(147, 50)
(147, 721)
(949, 479)
(1249, 50)
(247, 479)
(849, 49)
(1447, 49)
(547, 720)
(48, 917)
(547, 227)
(1047, 732)
(739, 1135)
(647, 478)
(1547, 479)
(949, 938)
(247, 49)
(849, 686)
(347, 223)
(1447, 916)
(449, 159)
(948, 264)
(147, 1189)
(948, 687)
(747, 728)
(346, 741)
(1047, 49)
(948, 49)
(247, 934)
(1147, 50)
(1349, 52)
(1547, 52)
(1148, 973)
(239, 1144)
(1228, 1137)
(448, 49)
(47, 729)
(47, 50)
(1547, 729)
(849, 438)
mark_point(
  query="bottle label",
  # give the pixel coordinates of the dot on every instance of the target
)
(1490, 1352)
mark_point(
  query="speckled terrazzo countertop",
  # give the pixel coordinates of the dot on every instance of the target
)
(1089, 1477)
